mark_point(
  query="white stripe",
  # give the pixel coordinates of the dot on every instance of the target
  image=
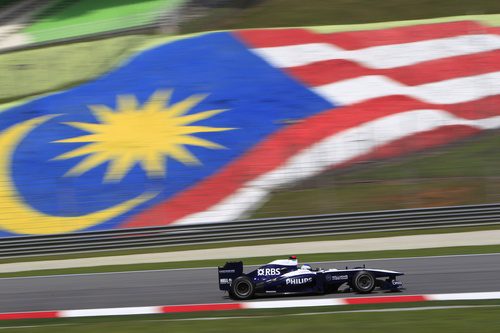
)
(457, 90)
(292, 304)
(464, 296)
(110, 312)
(298, 55)
(387, 56)
(31, 326)
(329, 152)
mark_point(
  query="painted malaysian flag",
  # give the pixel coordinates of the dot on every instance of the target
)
(202, 129)
(395, 90)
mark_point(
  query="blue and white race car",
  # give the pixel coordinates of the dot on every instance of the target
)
(285, 277)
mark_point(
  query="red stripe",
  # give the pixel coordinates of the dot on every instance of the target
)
(479, 109)
(354, 40)
(283, 144)
(494, 30)
(29, 315)
(200, 307)
(324, 72)
(257, 38)
(385, 299)
(278, 37)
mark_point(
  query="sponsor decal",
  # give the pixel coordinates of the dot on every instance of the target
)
(226, 271)
(295, 281)
(339, 277)
(268, 271)
(225, 281)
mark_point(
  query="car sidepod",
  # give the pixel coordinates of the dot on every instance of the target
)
(333, 279)
(299, 281)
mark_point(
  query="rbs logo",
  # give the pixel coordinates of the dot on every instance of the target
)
(268, 271)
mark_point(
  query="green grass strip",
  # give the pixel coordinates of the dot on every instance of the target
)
(463, 173)
(319, 257)
(296, 13)
(40, 71)
(490, 20)
(89, 16)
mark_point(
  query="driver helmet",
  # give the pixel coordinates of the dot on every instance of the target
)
(306, 267)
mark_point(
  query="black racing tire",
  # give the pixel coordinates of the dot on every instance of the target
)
(242, 288)
(363, 282)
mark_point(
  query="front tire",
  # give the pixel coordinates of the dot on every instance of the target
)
(363, 282)
(242, 288)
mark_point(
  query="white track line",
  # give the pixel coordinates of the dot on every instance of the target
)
(33, 326)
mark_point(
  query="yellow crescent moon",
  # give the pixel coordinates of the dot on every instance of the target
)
(18, 217)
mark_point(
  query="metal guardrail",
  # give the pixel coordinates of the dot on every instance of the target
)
(273, 228)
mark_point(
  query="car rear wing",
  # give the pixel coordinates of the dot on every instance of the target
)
(229, 272)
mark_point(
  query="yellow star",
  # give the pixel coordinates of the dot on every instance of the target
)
(145, 135)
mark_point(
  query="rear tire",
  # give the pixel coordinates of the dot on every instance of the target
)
(363, 282)
(242, 288)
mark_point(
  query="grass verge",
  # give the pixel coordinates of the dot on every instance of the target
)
(459, 174)
(89, 17)
(293, 13)
(416, 317)
(39, 71)
(313, 258)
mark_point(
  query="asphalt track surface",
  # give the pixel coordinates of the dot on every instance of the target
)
(450, 274)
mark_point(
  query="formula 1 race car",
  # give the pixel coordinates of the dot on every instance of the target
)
(285, 277)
